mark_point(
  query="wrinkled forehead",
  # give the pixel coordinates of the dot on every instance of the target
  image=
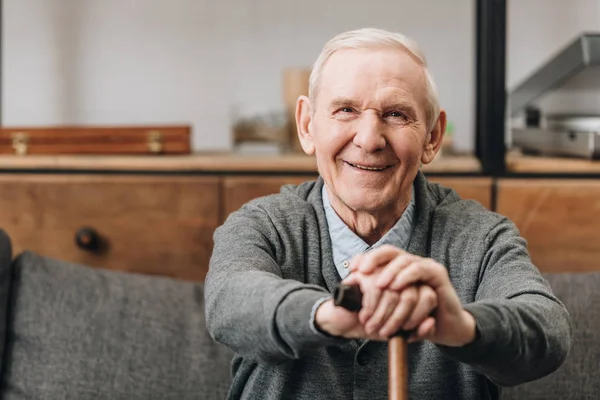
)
(378, 75)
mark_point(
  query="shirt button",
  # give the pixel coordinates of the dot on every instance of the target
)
(345, 264)
(362, 359)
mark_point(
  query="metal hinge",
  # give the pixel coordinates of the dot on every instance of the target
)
(155, 141)
(20, 141)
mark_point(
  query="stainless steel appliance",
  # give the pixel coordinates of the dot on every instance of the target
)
(563, 134)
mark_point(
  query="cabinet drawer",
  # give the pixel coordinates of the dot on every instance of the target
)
(159, 225)
(559, 218)
(238, 190)
(478, 189)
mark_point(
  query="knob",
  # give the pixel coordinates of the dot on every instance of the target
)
(87, 238)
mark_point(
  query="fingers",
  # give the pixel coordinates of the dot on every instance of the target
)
(352, 279)
(408, 300)
(425, 271)
(424, 331)
(370, 301)
(426, 303)
(369, 262)
(391, 270)
(371, 294)
(355, 262)
(387, 305)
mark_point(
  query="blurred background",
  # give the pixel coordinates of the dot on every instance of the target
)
(206, 63)
(210, 63)
(194, 89)
(131, 129)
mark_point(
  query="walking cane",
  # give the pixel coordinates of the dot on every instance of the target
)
(350, 297)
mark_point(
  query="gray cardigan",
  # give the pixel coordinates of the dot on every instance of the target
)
(272, 260)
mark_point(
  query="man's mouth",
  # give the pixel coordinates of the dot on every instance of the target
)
(367, 168)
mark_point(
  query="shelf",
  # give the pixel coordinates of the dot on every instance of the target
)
(205, 162)
(525, 164)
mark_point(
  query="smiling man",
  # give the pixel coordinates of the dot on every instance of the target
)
(455, 274)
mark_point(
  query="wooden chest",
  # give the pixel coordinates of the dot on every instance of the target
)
(95, 140)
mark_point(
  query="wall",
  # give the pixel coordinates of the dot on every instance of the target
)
(202, 61)
(143, 61)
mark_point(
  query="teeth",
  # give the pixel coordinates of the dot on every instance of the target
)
(367, 168)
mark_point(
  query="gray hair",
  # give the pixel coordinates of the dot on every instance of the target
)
(371, 38)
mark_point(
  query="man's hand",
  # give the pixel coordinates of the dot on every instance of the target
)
(384, 312)
(391, 311)
(398, 271)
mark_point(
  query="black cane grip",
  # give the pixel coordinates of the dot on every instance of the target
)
(350, 297)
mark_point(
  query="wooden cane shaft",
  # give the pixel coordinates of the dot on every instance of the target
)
(350, 297)
(397, 369)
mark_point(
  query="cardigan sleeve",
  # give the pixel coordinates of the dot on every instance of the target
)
(524, 331)
(249, 306)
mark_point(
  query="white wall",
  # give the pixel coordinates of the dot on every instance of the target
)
(196, 61)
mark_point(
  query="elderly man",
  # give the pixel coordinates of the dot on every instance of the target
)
(455, 274)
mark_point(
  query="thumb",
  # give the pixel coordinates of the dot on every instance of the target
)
(351, 279)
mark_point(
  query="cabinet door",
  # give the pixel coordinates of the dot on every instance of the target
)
(148, 224)
(472, 188)
(239, 190)
(559, 218)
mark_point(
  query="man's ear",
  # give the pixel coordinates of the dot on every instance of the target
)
(434, 139)
(303, 125)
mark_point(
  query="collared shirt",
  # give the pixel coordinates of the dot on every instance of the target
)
(347, 244)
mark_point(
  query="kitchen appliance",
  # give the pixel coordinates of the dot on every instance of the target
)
(561, 134)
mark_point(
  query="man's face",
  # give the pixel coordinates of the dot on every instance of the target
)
(368, 127)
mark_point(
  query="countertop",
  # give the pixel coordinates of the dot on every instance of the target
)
(204, 162)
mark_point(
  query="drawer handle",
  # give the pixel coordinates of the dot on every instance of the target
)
(87, 238)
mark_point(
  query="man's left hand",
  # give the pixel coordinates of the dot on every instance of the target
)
(398, 270)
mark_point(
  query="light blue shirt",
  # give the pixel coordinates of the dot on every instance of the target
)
(346, 244)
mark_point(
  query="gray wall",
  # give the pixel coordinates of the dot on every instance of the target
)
(202, 61)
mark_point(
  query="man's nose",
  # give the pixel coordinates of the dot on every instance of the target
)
(369, 133)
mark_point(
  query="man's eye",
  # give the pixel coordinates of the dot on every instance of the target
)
(346, 109)
(396, 114)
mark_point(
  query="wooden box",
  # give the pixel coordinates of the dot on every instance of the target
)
(95, 140)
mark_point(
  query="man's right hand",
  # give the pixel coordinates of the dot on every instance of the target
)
(392, 311)
(338, 321)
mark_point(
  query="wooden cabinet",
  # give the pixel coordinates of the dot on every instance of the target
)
(157, 215)
(238, 190)
(152, 215)
(149, 224)
(472, 188)
(560, 219)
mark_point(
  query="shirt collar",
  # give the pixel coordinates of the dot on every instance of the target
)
(346, 244)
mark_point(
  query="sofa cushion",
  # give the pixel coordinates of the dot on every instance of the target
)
(76, 332)
(5, 279)
(577, 378)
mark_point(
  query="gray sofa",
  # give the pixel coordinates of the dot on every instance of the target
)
(74, 332)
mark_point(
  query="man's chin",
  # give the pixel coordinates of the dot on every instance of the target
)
(369, 203)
